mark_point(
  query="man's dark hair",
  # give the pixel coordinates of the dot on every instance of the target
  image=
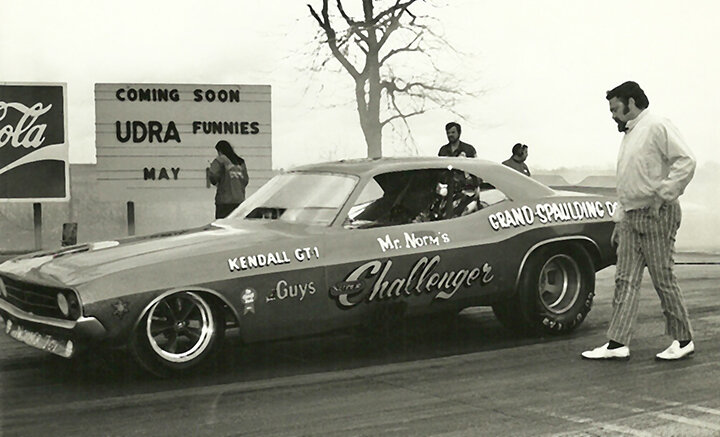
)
(451, 125)
(518, 148)
(627, 90)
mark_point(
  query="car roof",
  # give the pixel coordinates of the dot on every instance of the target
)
(361, 166)
(516, 184)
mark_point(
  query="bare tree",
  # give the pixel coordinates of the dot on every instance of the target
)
(388, 49)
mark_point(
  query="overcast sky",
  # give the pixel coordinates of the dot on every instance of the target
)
(546, 65)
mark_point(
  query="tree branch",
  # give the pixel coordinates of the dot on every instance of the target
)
(398, 6)
(354, 26)
(402, 116)
(407, 48)
(324, 23)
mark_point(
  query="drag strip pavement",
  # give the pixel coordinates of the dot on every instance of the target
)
(463, 376)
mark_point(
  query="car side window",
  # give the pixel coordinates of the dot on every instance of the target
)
(415, 196)
(489, 195)
(372, 193)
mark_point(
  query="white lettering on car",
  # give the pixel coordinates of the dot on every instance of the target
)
(283, 290)
(551, 212)
(422, 278)
(307, 253)
(266, 259)
(413, 240)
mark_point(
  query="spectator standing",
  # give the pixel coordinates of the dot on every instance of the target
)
(517, 160)
(654, 166)
(455, 147)
(229, 173)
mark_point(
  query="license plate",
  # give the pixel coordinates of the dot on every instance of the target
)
(44, 342)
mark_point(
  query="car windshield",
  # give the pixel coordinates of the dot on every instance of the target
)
(298, 197)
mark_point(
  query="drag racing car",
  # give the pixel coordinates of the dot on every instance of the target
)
(322, 247)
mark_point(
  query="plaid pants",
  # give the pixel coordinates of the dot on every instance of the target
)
(647, 240)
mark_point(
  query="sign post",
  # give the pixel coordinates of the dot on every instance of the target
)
(131, 217)
(37, 224)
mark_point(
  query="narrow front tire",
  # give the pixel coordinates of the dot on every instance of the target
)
(177, 333)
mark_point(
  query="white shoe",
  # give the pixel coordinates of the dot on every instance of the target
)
(675, 352)
(603, 353)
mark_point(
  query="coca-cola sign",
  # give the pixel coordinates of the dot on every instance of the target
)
(33, 145)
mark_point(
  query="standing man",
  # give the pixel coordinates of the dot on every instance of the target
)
(517, 160)
(654, 166)
(455, 147)
(456, 180)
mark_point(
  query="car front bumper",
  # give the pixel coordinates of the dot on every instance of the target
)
(57, 336)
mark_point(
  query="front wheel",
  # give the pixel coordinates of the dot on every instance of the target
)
(555, 293)
(177, 333)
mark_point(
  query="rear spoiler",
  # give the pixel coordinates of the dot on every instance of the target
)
(603, 185)
(603, 191)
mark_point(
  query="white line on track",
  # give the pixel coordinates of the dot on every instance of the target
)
(699, 408)
(704, 409)
(593, 425)
(611, 427)
(626, 430)
(673, 417)
(688, 421)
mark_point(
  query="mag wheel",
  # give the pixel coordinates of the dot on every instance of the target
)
(177, 333)
(555, 292)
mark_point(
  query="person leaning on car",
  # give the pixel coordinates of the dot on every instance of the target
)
(517, 160)
(229, 173)
(455, 147)
(653, 168)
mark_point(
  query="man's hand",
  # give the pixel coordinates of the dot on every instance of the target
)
(658, 203)
(655, 209)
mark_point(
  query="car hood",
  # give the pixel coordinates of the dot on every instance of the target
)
(73, 265)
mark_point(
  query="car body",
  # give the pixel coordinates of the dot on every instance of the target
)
(321, 247)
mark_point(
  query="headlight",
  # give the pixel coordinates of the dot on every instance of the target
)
(63, 304)
(3, 290)
(68, 304)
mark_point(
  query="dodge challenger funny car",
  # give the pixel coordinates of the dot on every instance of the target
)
(322, 247)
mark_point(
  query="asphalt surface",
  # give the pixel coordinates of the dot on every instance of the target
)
(461, 376)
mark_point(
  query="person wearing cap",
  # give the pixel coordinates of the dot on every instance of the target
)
(517, 160)
(654, 166)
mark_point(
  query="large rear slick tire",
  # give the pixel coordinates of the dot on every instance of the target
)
(177, 333)
(555, 292)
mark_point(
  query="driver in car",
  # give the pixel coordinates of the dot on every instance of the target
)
(458, 195)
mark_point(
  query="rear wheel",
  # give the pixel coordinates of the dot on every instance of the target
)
(556, 291)
(177, 333)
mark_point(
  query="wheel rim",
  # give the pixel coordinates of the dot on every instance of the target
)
(559, 284)
(180, 327)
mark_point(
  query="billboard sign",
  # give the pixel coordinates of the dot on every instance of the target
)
(154, 141)
(33, 142)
